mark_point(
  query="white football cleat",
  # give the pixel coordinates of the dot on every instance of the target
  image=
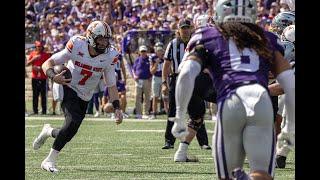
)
(49, 166)
(112, 116)
(125, 115)
(286, 140)
(181, 156)
(97, 114)
(43, 136)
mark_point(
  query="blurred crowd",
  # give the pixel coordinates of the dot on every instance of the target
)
(58, 20)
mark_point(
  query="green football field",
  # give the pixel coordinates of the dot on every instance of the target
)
(103, 150)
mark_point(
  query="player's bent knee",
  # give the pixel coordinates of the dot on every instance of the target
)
(71, 130)
(195, 123)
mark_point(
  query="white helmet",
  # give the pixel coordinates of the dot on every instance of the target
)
(282, 20)
(203, 20)
(289, 51)
(235, 11)
(97, 29)
(288, 34)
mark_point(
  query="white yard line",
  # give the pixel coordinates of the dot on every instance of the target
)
(140, 130)
(101, 119)
(148, 130)
(32, 126)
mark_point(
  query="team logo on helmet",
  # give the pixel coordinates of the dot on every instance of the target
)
(97, 29)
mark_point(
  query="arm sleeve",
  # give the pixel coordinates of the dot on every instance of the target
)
(64, 55)
(287, 81)
(61, 57)
(109, 75)
(185, 85)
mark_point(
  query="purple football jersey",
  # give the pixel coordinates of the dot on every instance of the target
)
(230, 67)
(153, 59)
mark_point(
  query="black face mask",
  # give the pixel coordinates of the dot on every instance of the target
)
(101, 50)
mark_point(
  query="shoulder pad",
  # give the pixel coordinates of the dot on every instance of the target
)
(73, 41)
(202, 36)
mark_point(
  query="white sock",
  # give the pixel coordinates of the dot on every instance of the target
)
(49, 132)
(289, 127)
(183, 147)
(53, 155)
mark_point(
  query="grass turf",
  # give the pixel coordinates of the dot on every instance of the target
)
(103, 150)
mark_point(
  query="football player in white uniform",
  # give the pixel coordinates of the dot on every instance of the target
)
(286, 140)
(88, 58)
(281, 21)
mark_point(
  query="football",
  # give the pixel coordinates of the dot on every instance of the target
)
(59, 68)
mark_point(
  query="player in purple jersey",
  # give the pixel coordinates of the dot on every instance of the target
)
(239, 55)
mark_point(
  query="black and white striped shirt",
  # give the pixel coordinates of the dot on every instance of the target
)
(174, 53)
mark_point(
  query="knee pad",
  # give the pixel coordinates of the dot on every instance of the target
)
(195, 123)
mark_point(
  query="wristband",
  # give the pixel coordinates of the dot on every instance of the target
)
(50, 73)
(116, 104)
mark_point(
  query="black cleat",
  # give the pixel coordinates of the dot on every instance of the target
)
(281, 161)
(168, 146)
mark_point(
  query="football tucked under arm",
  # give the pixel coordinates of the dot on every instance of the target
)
(59, 68)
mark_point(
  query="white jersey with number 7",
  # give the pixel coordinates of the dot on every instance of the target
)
(86, 70)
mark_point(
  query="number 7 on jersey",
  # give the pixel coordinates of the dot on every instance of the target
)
(86, 75)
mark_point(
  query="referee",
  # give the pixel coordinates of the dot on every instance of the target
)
(173, 56)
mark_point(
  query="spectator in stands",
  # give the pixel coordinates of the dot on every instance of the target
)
(142, 77)
(287, 5)
(39, 6)
(156, 62)
(56, 19)
(25, 76)
(274, 10)
(39, 79)
(75, 29)
(97, 97)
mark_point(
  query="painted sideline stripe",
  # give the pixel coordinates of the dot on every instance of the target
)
(102, 119)
(140, 130)
(32, 126)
